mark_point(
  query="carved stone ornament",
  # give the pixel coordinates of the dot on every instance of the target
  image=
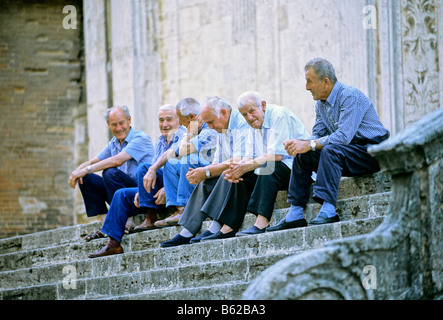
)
(420, 58)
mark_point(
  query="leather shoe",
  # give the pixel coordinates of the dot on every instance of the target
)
(205, 234)
(106, 251)
(178, 240)
(251, 231)
(146, 225)
(171, 221)
(220, 235)
(323, 219)
(283, 225)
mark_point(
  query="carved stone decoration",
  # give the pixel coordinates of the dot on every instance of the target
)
(405, 250)
(420, 58)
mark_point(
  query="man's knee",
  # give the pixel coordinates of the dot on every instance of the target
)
(142, 169)
(109, 174)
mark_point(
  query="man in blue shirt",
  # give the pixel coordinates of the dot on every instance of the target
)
(196, 150)
(231, 142)
(155, 187)
(118, 161)
(346, 124)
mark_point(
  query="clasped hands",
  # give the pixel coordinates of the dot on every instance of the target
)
(295, 146)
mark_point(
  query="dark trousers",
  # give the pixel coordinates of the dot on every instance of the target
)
(122, 206)
(97, 191)
(229, 202)
(330, 163)
(192, 218)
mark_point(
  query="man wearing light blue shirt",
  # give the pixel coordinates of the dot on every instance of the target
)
(252, 184)
(346, 124)
(118, 161)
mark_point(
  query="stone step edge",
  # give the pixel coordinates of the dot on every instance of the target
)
(230, 291)
(278, 213)
(83, 284)
(339, 230)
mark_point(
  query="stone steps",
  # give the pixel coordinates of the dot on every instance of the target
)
(36, 266)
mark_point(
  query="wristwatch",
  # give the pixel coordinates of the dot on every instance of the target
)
(208, 173)
(89, 169)
(313, 145)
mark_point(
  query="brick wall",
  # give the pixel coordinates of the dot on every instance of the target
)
(41, 101)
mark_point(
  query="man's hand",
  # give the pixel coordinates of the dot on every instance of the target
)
(197, 175)
(149, 179)
(160, 196)
(234, 173)
(295, 146)
(76, 176)
(136, 202)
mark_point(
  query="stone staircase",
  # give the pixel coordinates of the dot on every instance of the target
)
(53, 265)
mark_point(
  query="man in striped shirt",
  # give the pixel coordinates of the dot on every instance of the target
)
(346, 124)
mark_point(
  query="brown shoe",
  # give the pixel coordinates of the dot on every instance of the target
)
(146, 225)
(107, 251)
(171, 221)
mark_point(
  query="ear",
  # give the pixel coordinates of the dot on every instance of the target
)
(263, 106)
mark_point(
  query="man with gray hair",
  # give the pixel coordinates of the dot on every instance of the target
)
(346, 124)
(118, 161)
(232, 129)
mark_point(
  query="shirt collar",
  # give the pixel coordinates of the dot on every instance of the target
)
(232, 120)
(175, 136)
(333, 95)
(267, 120)
(128, 138)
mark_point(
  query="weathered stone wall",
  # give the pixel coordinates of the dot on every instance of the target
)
(40, 103)
(159, 52)
(146, 53)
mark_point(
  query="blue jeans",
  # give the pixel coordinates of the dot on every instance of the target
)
(146, 199)
(122, 207)
(178, 190)
(97, 191)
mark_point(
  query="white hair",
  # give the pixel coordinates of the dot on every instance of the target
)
(249, 96)
(216, 104)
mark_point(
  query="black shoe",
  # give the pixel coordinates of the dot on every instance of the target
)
(283, 225)
(220, 235)
(251, 231)
(197, 239)
(323, 219)
(178, 240)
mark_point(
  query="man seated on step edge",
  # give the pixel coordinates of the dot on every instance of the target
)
(252, 183)
(231, 143)
(126, 201)
(118, 161)
(346, 125)
(196, 150)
